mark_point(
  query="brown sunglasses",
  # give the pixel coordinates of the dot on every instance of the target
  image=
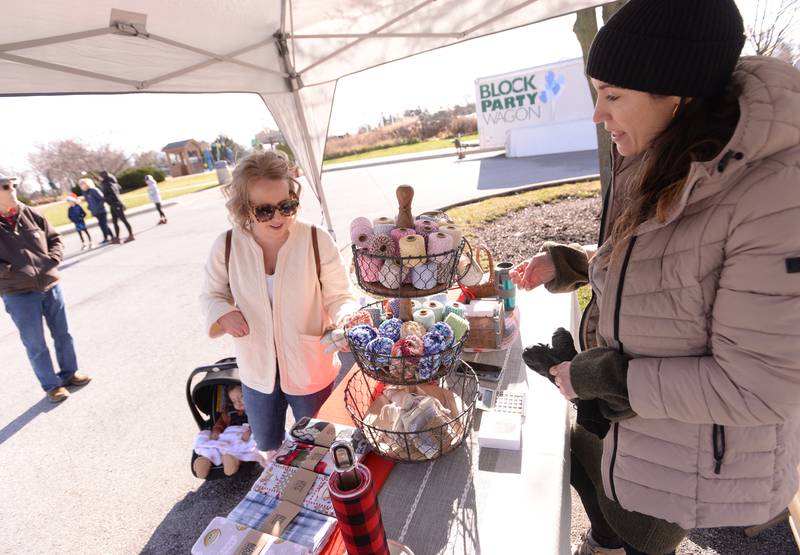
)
(265, 212)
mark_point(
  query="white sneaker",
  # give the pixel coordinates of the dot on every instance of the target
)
(590, 547)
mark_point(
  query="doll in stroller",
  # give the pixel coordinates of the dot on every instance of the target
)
(224, 443)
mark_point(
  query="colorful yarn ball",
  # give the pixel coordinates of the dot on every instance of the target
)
(361, 335)
(428, 365)
(379, 350)
(412, 329)
(391, 329)
(357, 318)
(445, 331)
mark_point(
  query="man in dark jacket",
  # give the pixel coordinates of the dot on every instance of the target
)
(111, 192)
(30, 252)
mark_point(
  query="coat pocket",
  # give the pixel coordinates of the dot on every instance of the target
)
(314, 368)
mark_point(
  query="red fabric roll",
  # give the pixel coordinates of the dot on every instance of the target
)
(359, 515)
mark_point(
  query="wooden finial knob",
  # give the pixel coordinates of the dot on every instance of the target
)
(405, 194)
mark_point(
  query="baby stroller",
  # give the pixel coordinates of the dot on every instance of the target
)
(205, 396)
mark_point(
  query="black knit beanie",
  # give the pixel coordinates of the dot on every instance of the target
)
(669, 47)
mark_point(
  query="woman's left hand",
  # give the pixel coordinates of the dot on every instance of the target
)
(563, 381)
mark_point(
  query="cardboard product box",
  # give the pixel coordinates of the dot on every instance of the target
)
(226, 537)
(486, 324)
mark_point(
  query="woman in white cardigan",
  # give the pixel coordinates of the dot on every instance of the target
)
(270, 298)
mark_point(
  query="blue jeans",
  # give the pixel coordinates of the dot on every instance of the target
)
(266, 413)
(27, 311)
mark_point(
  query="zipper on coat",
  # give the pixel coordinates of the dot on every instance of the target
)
(617, 310)
(718, 443)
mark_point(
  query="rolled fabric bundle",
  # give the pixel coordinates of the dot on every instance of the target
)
(390, 328)
(369, 268)
(436, 307)
(382, 245)
(412, 328)
(410, 349)
(376, 314)
(394, 307)
(425, 317)
(424, 276)
(361, 335)
(360, 232)
(454, 232)
(357, 318)
(379, 350)
(425, 222)
(455, 307)
(458, 324)
(383, 225)
(390, 275)
(400, 232)
(412, 245)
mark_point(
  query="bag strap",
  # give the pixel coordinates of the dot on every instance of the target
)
(315, 244)
(228, 252)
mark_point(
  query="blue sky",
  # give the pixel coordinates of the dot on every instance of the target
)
(139, 122)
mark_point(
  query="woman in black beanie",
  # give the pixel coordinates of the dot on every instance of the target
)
(690, 349)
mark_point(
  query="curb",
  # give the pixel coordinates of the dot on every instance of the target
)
(383, 161)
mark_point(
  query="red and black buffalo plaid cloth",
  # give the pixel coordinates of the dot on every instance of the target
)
(359, 516)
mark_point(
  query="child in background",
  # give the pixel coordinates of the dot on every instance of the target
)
(77, 216)
(155, 197)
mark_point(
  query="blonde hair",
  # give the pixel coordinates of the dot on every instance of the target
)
(270, 164)
(86, 181)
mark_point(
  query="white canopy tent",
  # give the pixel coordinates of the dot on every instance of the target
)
(290, 52)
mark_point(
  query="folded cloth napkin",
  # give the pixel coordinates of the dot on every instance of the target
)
(308, 528)
(274, 479)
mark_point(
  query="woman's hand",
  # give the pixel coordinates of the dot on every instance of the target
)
(233, 323)
(246, 435)
(532, 273)
(563, 381)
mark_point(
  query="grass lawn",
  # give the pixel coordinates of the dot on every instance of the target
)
(486, 211)
(423, 146)
(477, 214)
(56, 213)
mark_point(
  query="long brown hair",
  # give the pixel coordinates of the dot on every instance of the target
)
(698, 132)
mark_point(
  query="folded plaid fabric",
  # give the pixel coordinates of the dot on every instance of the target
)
(308, 528)
(307, 429)
(275, 477)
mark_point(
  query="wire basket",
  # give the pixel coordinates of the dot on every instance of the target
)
(406, 370)
(428, 444)
(406, 276)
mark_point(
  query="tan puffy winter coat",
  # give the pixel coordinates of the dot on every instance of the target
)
(708, 306)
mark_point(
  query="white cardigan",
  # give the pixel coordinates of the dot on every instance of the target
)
(287, 331)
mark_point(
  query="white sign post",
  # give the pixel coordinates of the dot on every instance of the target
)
(540, 110)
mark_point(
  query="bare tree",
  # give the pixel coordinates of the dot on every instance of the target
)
(585, 29)
(64, 162)
(149, 158)
(768, 34)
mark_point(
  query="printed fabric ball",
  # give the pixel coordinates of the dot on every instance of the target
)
(410, 346)
(412, 329)
(379, 350)
(391, 328)
(428, 365)
(357, 318)
(361, 335)
(433, 343)
(445, 331)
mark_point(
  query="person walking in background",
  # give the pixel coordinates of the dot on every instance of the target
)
(97, 206)
(111, 193)
(77, 216)
(155, 197)
(30, 252)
